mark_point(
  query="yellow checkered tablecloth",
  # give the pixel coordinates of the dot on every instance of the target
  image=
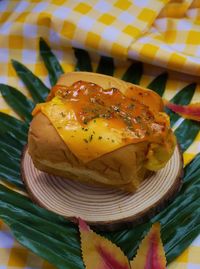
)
(159, 32)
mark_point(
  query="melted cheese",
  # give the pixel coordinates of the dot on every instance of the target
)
(100, 135)
(87, 143)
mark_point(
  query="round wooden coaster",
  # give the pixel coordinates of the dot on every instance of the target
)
(105, 208)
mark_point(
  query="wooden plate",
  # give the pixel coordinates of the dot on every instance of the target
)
(105, 208)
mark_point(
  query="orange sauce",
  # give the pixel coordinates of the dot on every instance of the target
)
(90, 101)
(93, 121)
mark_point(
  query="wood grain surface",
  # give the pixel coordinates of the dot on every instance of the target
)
(103, 207)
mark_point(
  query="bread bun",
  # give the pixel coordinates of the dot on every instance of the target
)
(123, 168)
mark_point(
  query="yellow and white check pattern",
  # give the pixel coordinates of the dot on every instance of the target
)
(159, 32)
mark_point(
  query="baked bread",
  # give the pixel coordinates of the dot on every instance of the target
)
(108, 145)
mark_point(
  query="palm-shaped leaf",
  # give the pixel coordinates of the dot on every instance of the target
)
(48, 234)
(36, 87)
(17, 128)
(13, 136)
(186, 133)
(83, 60)
(19, 103)
(10, 165)
(52, 64)
(158, 84)
(106, 66)
(134, 73)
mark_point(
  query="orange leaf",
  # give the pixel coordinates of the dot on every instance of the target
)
(191, 112)
(150, 254)
(98, 252)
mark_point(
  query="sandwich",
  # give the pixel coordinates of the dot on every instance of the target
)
(100, 130)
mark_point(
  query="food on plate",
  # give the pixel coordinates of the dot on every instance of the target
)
(99, 129)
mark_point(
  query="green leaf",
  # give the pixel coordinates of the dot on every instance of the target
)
(9, 160)
(10, 164)
(15, 127)
(158, 85)
(183, 97)
(186, 133)
(126, 237)
(35, 86)
(49, 236)
(8, 139)
(192, 170)
(134, 73)
(57, 240)
(186, 242)
(20, 104)
(12, 139)
(83, 60)
(51, 62)
(179, 216)
(45, 233)
(13, 136)
(191, 185)
(189, 232)
(177, 209)
(8, 175)
(170, 219)
(8, 147)
(106, 66)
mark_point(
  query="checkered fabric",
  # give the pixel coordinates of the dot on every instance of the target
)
(161, 32)
(173, 39)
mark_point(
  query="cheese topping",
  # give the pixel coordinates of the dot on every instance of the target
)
(93, 121)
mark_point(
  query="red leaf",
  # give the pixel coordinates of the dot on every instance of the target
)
(150, 254)
(191, 112)
(98, 252)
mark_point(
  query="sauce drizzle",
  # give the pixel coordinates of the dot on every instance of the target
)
(90, 101)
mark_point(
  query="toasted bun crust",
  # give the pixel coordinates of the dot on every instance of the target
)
(123, 168)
